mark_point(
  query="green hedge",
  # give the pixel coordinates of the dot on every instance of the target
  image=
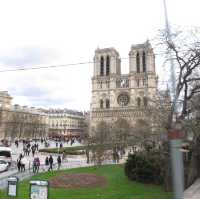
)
(145, 167)
(78, 150)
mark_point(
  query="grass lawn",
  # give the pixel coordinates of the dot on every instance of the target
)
(118, 186)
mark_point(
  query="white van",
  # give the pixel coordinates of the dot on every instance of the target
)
(5, 154)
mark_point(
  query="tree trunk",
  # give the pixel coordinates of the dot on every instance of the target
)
(192, 170)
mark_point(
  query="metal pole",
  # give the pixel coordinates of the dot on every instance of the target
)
(172, 74)
(174, 136)
(177, 168)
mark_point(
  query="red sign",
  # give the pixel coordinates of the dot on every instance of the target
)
(174, 134)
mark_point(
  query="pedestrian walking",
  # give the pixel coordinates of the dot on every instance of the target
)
(37, 164)
(47, 161)
(34, 165)
(19, 164)
(50, 163)
(64, 157)
(16, 143)
(28, 151)
(37, 147)
(33, 150)
(59, 162)
(23, 163)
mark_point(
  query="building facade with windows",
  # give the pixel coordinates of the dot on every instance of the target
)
(65, 122)
(21, 121)
(116, 95)
(29, 122)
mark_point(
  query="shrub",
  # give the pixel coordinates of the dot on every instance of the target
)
(79, 150)
(145, 167)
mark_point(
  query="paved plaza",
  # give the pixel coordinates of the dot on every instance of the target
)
(52, 144)
(69, 162)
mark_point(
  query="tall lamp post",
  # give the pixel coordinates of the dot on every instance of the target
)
(175, 134)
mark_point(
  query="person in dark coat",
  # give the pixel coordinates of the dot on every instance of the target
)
(59, 161)
(50, 163)
(19, 164)
(47, 161)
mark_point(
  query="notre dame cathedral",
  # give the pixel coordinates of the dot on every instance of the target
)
(116, 95)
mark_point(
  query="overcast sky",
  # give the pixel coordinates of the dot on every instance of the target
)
(53, 32)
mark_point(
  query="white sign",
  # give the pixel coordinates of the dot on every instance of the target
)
(39, 192)
(12, 189)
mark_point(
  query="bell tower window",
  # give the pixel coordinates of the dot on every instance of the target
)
(138, 102)
(138, 62)
(144, 61)
(145, 101)
(107, 65)
(101, 103)
(107, 103)
(102, 66)
(138, 82)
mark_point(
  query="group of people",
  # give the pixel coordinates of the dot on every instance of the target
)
(49, 162)
(22, 161)
(118, 153)
(28, 148)
(34, 163)
(69, 140)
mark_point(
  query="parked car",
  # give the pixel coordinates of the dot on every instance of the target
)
(5, 154)
(3, 165)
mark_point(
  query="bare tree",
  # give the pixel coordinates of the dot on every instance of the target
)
(120, 131)
(99, 143)
(191, 126)
(185, 49)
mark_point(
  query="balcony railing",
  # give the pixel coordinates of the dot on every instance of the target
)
(122, 82)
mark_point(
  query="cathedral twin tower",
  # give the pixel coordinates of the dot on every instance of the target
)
(116, 95)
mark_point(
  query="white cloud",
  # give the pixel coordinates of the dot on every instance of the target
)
(53, 32)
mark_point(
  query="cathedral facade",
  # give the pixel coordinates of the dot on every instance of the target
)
(116, 95)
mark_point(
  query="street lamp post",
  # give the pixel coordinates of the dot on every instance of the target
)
(175, 135)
